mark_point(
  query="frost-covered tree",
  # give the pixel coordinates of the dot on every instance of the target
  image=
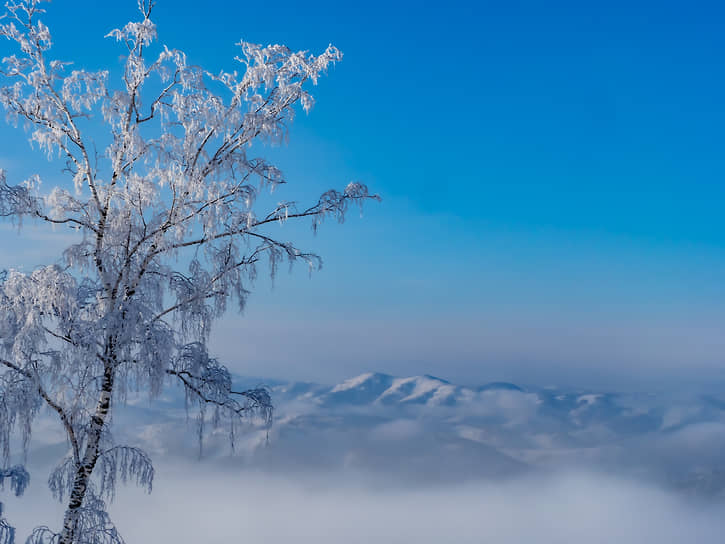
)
(162, 191)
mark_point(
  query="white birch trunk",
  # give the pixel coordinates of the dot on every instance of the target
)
(85, 469)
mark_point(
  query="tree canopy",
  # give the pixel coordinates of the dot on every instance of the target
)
(170, 232)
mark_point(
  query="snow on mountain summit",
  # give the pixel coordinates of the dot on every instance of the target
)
(362, 389)
(362, 382)
(419, 389)
(383, 389)
(377, 388)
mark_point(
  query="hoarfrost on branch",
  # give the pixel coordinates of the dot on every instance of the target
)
(169, 233)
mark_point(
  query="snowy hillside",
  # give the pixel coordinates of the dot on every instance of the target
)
(424, 428)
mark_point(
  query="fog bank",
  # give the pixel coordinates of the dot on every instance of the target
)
(193, 503)
(212, 506)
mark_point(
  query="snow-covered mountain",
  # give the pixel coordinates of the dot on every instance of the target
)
(495, 402)
(374, 388)
(454, 431)
(424, 428)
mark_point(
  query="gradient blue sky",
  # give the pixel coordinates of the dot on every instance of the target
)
(552, 176)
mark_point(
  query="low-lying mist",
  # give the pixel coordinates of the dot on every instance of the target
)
(201, 502)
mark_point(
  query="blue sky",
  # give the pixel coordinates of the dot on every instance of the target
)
(552, 176)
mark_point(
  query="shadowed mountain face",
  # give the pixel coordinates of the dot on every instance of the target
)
(426, 430)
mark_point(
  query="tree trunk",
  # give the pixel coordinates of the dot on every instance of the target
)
(69, 535)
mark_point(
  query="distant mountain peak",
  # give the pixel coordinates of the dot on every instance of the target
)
(361, 381)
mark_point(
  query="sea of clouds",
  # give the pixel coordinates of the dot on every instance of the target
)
(200, 502)
(418, 460)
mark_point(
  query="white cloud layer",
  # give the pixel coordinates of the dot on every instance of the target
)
(194, 503)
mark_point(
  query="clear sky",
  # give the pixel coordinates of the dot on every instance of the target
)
(552, 176)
